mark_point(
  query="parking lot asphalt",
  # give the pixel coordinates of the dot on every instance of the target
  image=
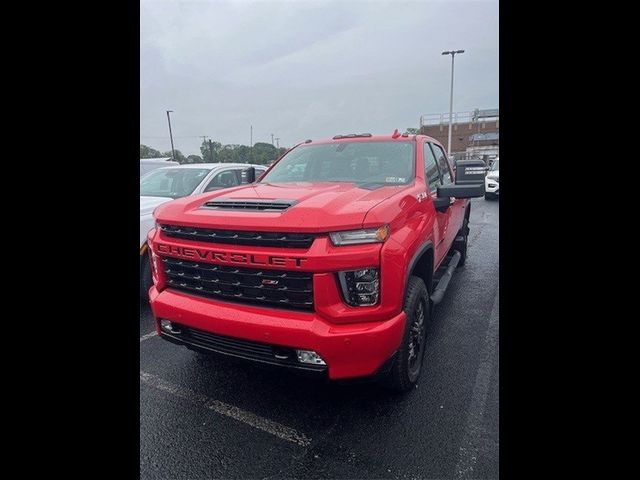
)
(210, 417)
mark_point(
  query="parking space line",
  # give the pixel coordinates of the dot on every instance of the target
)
(473, 439)
(269, 426)
(148, 336)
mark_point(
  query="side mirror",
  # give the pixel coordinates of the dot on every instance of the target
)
(469, 181)
(250, 174)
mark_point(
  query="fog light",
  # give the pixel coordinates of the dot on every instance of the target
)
(167, 326)
(309, 356)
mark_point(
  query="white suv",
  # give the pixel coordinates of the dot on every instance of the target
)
(492, 181)
(168, 183)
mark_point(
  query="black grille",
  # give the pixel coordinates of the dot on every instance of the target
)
(261, 205)
(238, 237)
(240, 348)
(245, 285)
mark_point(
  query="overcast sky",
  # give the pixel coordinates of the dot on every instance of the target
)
(308, 69)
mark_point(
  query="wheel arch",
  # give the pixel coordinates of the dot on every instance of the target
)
(421, 266)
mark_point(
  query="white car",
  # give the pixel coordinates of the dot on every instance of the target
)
(149, 164)
(168, 183)
(492, 181)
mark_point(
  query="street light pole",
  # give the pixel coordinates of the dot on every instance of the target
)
(453, 54)
(173, 151)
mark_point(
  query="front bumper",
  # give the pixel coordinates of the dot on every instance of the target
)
(350, 350)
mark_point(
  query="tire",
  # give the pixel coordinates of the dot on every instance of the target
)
(489, 196)
(406, 369)
(145, 278)
(462, 246)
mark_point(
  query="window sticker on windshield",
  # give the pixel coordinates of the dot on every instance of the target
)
(395, 180)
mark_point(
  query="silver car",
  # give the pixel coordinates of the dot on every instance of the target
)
(168, 183)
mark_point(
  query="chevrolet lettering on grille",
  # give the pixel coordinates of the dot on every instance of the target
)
(227, 258)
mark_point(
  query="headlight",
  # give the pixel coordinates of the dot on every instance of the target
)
(354, 237)
(360, 287)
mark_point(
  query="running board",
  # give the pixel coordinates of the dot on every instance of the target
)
(438, 293)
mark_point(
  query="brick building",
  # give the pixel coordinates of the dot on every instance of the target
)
(474, 134)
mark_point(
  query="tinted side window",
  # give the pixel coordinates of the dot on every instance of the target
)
(225, 179)
(431, 172)
(442, 163)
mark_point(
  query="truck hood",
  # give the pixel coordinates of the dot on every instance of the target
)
(316, 207)
(149, 204)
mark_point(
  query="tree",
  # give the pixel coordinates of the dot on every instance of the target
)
(148, 152)
(263, 153)
(242, 154)
(210, 151)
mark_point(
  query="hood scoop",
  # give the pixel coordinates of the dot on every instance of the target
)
(249, 205)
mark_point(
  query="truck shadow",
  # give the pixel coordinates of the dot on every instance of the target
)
(293, 398)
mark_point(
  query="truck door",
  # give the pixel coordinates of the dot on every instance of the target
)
(456, 211)
(434, 180)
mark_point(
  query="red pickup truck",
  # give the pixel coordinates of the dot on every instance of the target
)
(330, 263)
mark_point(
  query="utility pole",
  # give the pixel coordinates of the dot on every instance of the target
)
(277, 142)
(211, 150)
(272, 140)
(453, 54)
(251, 144)
(204, 140)
(173, 151)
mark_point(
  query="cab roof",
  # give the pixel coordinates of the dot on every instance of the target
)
(213, 165)
(367, 137)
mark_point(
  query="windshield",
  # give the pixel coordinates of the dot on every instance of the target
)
(494, 166)
(172, 182)
(387, 163)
